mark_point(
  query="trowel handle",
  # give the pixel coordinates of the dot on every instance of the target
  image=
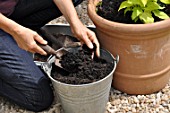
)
(72, 45)
(47, 49)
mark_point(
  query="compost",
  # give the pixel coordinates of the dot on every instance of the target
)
(83, 68)
(109, 10)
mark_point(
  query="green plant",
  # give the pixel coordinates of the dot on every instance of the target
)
(144, 9)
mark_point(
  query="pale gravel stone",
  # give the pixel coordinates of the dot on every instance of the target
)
(136, 100)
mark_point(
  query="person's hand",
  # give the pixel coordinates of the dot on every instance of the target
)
(78, 29)
(26, 39)
(85, 35)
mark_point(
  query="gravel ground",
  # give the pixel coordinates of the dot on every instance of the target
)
(119, 102)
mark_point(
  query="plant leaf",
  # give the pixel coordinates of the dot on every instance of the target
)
(146, 17)
(144, 2)
(136, 19)
(165, 1)
(160, 14)
(127, 9)
(153, 6)
(136, 2)
(136, 12)
(125, 4)
(155, 0)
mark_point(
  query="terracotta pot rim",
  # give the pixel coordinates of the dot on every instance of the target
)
(98, 21)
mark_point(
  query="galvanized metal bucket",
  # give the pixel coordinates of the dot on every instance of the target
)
(85, 98)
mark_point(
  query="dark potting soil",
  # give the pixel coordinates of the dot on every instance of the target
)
(83, 68)
(109, 11)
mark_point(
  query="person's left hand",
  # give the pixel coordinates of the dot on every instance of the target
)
(85, 35)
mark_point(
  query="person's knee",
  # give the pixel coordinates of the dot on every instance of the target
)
(43, 97)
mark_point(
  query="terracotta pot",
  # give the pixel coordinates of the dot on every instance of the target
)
(144, 51)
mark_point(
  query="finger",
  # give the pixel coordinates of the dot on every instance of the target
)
(87, 41)
(93, 38)
(38, 49)
(31, 51)
(97, 47)
(40, 39)
(98, 50)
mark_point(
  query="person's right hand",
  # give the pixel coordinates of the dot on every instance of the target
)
(27, 38)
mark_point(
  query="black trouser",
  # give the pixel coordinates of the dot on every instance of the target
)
(36, 13)
(21, 81)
